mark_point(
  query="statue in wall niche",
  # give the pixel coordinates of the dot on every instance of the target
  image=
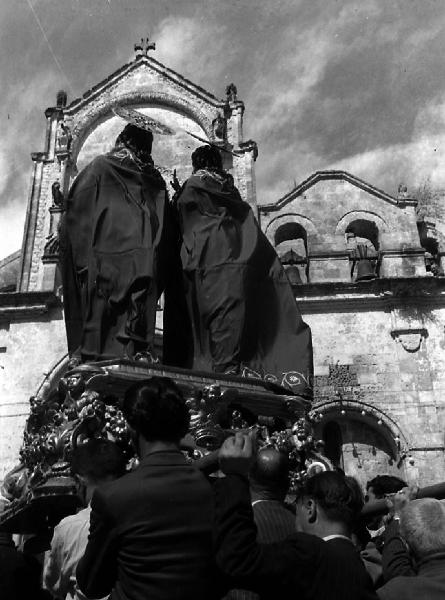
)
(58, 199)
(64, 137)
(219, 126)
(117, 243)
(52, 245)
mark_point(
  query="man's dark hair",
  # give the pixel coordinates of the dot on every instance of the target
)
(155, 408)
(98, 459)
(207, 157)
(385, 484)
(270, 473)
(340, 500)
(138, 140)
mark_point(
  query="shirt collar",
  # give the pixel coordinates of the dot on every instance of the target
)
(337, 535)
(164, 457)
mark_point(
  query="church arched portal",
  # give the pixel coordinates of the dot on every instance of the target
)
(361, 439)
(170, 152)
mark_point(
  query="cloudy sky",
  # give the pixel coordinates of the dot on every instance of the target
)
(351, 84)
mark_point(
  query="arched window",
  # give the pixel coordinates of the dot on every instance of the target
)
(429, 240)
(291, 246)
(363, 232)
(362, 239)
(289, 232)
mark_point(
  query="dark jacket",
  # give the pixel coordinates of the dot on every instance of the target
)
(303, 566)
(425, 582)
(274, 523)
(151, 534)
(428, 584)
(273, 520)
(19, 576)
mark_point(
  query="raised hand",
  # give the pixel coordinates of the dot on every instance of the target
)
(397, 502)
(176, 185)
(237, 454)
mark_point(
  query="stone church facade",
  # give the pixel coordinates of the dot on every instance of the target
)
(365, 267)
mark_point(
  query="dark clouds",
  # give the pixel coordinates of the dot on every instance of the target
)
(371, 92)
(337, 84)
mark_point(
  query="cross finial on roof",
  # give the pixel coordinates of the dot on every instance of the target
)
(143, 47)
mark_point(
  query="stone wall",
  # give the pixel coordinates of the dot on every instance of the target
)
(32, 347)
(406, 385)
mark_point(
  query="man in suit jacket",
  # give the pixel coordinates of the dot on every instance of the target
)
(418, 533)
(151, 531)
(318, 563)
(269, 483)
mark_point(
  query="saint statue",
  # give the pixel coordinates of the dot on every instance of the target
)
(243, 313)
(57, 195)
(115, 250)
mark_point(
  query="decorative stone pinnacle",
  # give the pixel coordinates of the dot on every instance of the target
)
(143, 47)
(231, 93)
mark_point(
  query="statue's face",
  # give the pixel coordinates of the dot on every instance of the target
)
(73, 381)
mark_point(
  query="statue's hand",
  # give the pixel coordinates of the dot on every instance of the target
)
(176, 184)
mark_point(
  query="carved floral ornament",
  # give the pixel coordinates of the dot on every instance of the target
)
(411, 339)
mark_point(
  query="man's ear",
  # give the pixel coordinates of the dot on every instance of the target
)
(311, 508)
(134, 439)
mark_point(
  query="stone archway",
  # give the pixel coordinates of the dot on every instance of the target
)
(361, 215)
(369, 441)
(288, 219)
(86, 120)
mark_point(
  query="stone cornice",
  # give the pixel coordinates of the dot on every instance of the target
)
(18, 305)
(339, 254)
(53, 111)
(249, 146)
(378, 294)
(150, 62)
(334, 175)
(38, 156)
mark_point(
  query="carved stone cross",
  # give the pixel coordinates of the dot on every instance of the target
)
(143, 47)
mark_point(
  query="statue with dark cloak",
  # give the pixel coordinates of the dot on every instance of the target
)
(244, 317)
(116, 251)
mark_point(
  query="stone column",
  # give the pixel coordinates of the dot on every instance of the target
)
(245, 152)
(31, 220)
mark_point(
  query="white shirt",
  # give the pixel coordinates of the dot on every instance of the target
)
(67, 548)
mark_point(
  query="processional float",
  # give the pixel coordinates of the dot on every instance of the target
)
(86, 402)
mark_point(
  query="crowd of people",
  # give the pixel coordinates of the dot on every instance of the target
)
(165, 530)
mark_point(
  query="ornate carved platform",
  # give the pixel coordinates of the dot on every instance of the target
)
(87, 402)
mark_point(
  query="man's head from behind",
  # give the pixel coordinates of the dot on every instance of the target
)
(207, 157)
(328, 504)
(269, 475)
(422, 525)
(97, 461)
(156, 410)
(138, 140)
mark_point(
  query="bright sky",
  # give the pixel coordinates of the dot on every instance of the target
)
(351, 84)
